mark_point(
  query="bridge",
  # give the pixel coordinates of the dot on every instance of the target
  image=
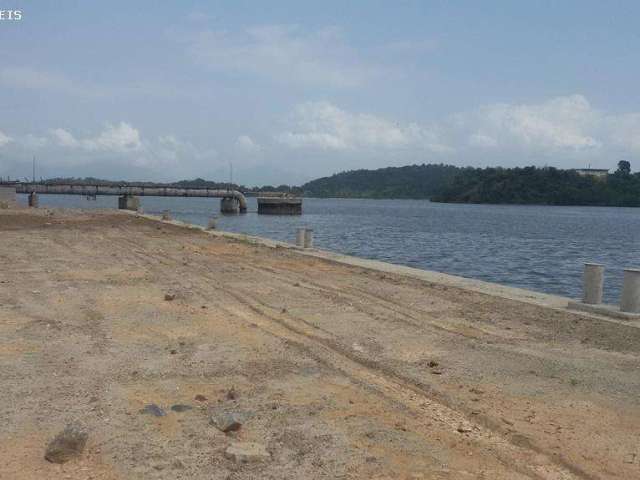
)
(232, 201)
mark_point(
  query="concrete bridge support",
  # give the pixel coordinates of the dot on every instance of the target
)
(128, 202)
(34, 201)
(593, 283)
(229, 205)
(7, 196)
(630, 301)
(300, 237)
(279, 206)
(308, 238)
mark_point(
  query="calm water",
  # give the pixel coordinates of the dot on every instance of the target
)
(539, 248)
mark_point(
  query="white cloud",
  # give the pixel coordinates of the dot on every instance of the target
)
(560, 123)
(282, 53)
(245, 144)
(566, 132)
(169, 149)
(118, 138)
(123, 143)
(115, 138)
(322, 125)
(4, 139)
(63, 138)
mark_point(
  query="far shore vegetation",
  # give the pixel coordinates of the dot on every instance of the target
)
(446, 183)
(450, 184)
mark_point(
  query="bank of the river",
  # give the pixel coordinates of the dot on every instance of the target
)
(340, 370)
(531, 247)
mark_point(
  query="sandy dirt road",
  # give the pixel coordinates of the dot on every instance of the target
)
(340, 372)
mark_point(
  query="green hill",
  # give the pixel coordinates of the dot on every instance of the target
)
(542, 186)
(412, 181)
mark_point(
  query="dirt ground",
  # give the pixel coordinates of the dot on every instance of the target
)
(340, 372)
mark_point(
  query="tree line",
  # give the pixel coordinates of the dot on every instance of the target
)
(542, 186)
(447, 183)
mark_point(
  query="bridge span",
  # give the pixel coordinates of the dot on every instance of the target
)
(232, 201)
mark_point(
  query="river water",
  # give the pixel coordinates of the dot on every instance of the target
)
(535, 247)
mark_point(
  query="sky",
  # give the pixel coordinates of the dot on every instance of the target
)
(287, 91)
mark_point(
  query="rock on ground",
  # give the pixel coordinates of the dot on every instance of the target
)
(154, 410)
(246, 452)
(227, 422)
(67, 444)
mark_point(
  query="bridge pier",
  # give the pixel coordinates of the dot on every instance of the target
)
(128, 202)
(229, 205)
(279, 206)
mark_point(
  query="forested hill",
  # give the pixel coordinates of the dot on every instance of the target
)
(413, 181)
(542, 186)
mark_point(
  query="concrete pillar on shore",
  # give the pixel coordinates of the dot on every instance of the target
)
(229, 205)
(630, 299)
(308, 238)
(7, 196)
(166, 215)
(34, 201)
(300, 237)
(212, 223)
(593, 279)
(128, 202)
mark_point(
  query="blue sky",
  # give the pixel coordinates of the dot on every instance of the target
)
(288, 91)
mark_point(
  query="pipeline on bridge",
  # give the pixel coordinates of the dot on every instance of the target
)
(232, 200)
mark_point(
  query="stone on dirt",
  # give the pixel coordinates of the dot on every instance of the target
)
(169, 296)
(247, 452)
(465, 428)
(154, 410)
(181, 407)
(232, 394)
(227, 421)
(68, 444)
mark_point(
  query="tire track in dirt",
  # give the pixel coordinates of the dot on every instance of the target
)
(371, 374)
(353, 297)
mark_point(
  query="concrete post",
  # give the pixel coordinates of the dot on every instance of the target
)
(212, 223)
(128, 202)
(308, 238)
(229, 205)
(7, 196)
(166, 215)
(630, 300)
(593, 283)
(33, 200)
(300, 237)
